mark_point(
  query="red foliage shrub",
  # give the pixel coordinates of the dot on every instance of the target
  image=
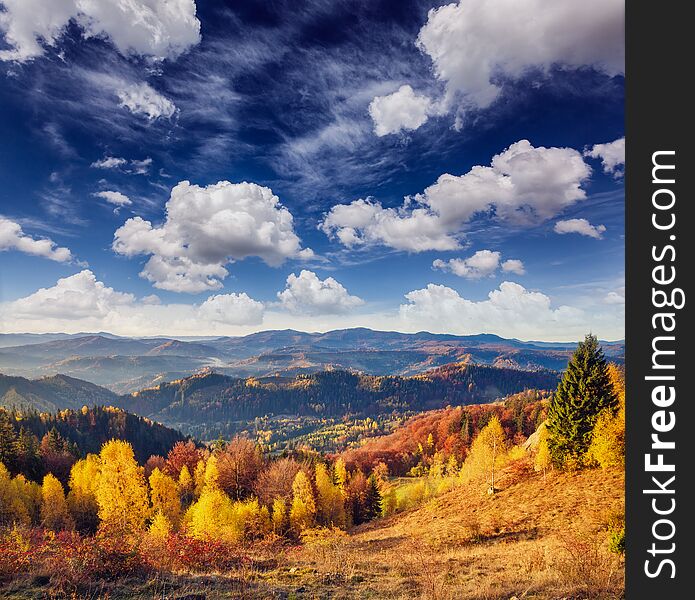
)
(200, 556)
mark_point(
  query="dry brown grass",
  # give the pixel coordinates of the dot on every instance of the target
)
(534, 539)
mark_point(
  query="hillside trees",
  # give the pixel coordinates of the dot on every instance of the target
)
(487, 453)
(182, 454)
(329, 501)
(54, 508)
(583, 393)
(82, 499)
(164, 493)
(121, 492)
(238, 465)
(607, 446)
(303, 511)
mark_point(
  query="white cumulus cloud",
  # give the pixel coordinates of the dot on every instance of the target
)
(473, 42)
(580, 226)
(514, 265)
(511, 310)
(306, 293)
(74, 297)
(157, 29)
(232, 309)
(522, 185)
(612, 156)
(483, 263)
(81, 302)
(402, 110)
(143, 99)
(115, 198)
(206, 228)
(12, 237)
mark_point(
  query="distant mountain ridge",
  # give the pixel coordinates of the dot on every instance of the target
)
(126, 364)
(192, 402)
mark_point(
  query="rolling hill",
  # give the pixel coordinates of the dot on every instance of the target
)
(223, 400)
(128, 364)
(51, 394)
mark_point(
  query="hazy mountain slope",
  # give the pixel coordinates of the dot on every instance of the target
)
(124, 364)
(212, 397)
(52, 393)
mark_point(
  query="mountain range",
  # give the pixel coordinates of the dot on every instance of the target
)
(125, 365)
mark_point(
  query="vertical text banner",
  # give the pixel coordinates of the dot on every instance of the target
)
(660, 346)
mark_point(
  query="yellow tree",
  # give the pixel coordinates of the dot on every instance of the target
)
(341, 475)
(121, 491)
(607, 447)
(330, 503)
(164, 493)
(279, 516)
(211, 516)
(29, 494)
(303, 511)
(186, 486)
(54, 508)
(487, 452)
(160, 528)
(82, 500)
(12, 509)
(211, 476)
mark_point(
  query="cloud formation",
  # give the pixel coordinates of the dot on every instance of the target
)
(475, 43)
(612, 156)
(484, 263)
(207, 227)
(109, 162)
(115, 198)
(132, 166)
(143, 99)
(403, 110)
(75, 297)
(157, 29)
(522, 185)
(232, 309)
(580, 226)
(307, 294)
(511, 310)
(82, 302)
(13, 238)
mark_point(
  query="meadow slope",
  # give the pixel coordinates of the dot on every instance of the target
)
(535, 538)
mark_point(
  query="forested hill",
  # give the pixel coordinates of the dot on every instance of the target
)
(51, 394)
(212, 397)
(31, 442)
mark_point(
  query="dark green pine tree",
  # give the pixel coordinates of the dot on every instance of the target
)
(372, 500)
(584, 391)
(8, 441)
(28, 457)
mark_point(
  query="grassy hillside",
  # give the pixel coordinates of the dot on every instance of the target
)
(535, 539)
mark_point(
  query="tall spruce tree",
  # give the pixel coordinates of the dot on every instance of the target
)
(584, 391)
(373, 499)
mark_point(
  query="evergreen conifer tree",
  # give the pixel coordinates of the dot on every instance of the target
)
(373, 500)
(584, 391)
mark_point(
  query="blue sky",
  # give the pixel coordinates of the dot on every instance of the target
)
(204, 168)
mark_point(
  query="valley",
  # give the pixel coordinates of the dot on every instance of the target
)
(126, 365)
